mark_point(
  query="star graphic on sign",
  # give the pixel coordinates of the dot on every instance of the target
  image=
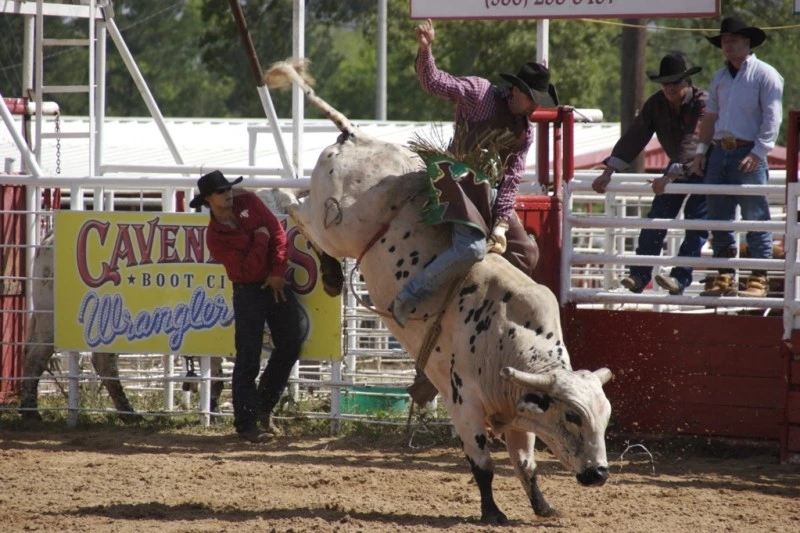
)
(131, 280)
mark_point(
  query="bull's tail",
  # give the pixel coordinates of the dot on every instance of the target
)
(283, 74)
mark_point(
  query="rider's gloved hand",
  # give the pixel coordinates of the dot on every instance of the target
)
(497, 240)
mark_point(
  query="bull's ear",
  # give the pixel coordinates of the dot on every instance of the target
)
(540, 382)
(604, 375)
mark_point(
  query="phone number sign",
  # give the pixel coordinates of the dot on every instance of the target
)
(554, 9)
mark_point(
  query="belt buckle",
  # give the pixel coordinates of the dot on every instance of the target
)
(728, 143)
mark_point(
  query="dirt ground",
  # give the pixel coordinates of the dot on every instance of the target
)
(135, 480)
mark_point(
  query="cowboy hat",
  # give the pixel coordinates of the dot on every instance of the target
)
(672, 70)
(735, 26)
(533, 80)
(208, 183)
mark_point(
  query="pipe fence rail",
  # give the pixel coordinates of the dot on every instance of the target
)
(599, 239)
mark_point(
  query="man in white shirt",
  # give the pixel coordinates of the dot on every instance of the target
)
(741, 122)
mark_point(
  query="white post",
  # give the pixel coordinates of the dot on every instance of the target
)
(73, 395)
(100, 95)
(543, 57)
(380, 82)
(543, 41)
(205, 390)
(336, 397)
(298, 98)
(38, 82)
(169, 385)
(294, 387)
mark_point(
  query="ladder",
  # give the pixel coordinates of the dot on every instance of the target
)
(41, 88)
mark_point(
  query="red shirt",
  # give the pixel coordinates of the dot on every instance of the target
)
(246, 255)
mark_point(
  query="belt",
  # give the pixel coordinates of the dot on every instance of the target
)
(732, 143)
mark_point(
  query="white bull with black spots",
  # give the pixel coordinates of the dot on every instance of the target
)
(500, 362)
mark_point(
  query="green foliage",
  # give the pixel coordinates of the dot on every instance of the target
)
(191, 56)
(428, 427)
(773, 16)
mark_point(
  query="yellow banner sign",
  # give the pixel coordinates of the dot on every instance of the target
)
(146, 283)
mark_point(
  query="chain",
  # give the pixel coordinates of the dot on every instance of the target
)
(58, 145)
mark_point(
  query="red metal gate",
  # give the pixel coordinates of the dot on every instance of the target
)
(12, 296)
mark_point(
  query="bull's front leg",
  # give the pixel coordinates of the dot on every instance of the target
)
(331, 268)
(469, 420)
(520, 446)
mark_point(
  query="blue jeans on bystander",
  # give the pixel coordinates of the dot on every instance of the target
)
(252, 308)
(651, 241)
(722, 168)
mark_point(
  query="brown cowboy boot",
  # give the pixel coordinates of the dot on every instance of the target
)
(722, 285)
(757, 287)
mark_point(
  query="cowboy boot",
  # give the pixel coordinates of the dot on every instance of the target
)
(722, 285)
(757, 287)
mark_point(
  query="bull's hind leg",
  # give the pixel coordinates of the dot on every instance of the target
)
(36, 360)
(107, 367)
(471, 426)
(520, 447)
(216, 386)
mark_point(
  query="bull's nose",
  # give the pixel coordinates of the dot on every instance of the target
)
(594, 476)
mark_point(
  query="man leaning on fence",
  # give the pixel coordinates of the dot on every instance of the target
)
(251, 244)
(743, 116)
(672, 114)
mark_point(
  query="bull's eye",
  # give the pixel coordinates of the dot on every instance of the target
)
(574, 419)
(542, 402)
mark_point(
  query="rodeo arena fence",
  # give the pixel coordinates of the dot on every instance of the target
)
(687, 364)
(586, 239)
(600, 233)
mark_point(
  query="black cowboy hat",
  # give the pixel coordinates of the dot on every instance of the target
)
(533, 79)
(208, 183)
(672, 69)
(735, 25)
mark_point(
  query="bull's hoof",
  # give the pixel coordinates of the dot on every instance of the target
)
(131, 418)
(546, 511)
(495, 516)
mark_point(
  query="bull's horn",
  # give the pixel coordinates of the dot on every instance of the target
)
(282, 74)
(542, 382)
(604, 375)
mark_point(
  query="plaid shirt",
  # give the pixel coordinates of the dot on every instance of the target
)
(475, 102)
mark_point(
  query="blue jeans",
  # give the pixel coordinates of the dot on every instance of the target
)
(651, 241)
(467, 248)
(723, 169)
(252, 307)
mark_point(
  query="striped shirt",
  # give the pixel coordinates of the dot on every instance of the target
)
(475, 101)
(748, 106)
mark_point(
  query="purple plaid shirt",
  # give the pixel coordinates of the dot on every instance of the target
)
(475, 102)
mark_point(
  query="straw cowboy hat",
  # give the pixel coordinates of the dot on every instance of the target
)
(208, 183)
(533, 79)
(735, 26)
(672, 70)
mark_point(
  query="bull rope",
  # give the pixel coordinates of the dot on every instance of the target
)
(422, 391)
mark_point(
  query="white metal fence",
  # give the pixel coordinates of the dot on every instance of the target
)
(599, 238)
(600, 234)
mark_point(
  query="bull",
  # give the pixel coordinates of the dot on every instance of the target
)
(491, 344)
